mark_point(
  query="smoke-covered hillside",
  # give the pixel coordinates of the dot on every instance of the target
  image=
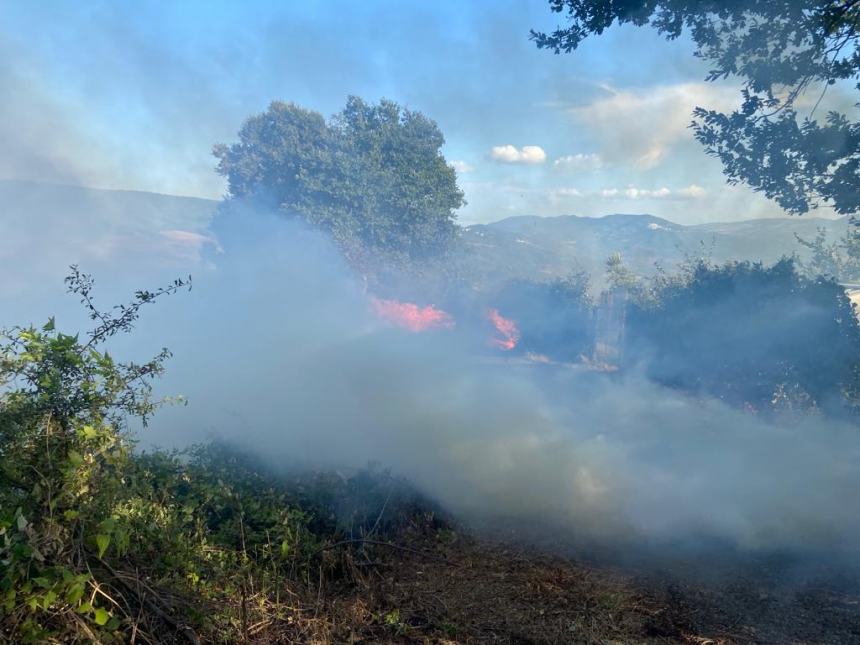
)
(538, 248)
(46, 227)
(106, 229)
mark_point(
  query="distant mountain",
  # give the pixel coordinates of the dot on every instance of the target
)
(46, 227)
(126, 210)
(546, 247)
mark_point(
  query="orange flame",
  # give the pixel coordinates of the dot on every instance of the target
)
(509, 333)
(411, 316)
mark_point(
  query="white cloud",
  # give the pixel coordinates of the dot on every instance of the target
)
(510, 154)
(567, 192)
(692, 192)
(579, 161)
(632, 192)
(557, 195)
(461, 167)
(643, 127)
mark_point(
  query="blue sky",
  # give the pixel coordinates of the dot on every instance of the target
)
(134, 95)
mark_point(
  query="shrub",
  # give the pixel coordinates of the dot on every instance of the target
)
(554, 318)
(99, 542)
(63, 455)
(749, 334)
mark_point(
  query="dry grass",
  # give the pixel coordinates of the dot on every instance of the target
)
(433, 585)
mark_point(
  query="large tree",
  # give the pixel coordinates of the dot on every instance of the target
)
(373, 175)
(780, 50)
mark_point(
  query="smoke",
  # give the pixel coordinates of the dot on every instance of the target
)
(279, 350)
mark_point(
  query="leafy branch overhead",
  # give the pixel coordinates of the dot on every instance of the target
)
(787, 53)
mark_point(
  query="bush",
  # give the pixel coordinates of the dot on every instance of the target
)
(750, 334)
(64, 454)
(554, 318)
(99, 542)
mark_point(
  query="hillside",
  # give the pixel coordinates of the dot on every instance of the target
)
(88, 211)
(544, 247)
(117, 229)
(46, 227)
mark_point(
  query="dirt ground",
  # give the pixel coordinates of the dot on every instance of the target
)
(771, 600)
(438, 585)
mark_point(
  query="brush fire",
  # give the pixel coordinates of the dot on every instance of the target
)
(508, 332)
(410, 316)
(417, 318)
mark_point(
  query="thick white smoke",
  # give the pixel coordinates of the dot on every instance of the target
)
(278, 350)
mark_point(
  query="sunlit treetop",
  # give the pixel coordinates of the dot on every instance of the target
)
(781, 50)
(372, 176)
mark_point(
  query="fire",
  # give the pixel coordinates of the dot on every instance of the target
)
(412, 316)
(416, 318)
(509, 333)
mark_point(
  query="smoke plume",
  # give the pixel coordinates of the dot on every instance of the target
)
(281, 351)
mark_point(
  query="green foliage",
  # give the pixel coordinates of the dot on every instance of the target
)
(99, 541)
(63, 455)
(81, 514)
(839, 259)
(749, 334)
(779, 50)
(372, 176)
(619, 276)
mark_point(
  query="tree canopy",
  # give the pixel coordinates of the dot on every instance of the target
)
(373, 175)
(781, 50)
